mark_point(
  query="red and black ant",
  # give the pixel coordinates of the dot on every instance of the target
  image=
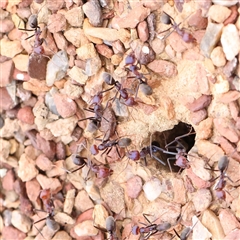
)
(46, 197)
(107, 145)
(186, 36)
(133, 67)
(101, 171)
(150, 229)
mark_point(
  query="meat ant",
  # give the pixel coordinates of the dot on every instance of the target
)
(99, 170)
(46, 197)
(150, 229)
(167, 19)
(128, 101)
(107, 145)
(133, 67)
(110, 228)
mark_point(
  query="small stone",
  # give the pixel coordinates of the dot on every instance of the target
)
(202, 199)
(226, 129)
(61, 235)
(142, 29)
(218, 57)
(8, 180)
(78, 75)
(198, 116)
(92, 9)
(10, 48)
(57, 67)
(233, 16)
(76, 36)
(179, 191)
(93, 65)
(75, 16)
(43, 163)
(199, 231)
(211, 38)
(221, 85)
(25, 115)
(219, 13)
(234, 109)
(37, 66)
(134, 16)
(60, 151)
(27, 169)
(200, 103)
(212, 223)
(104, 50)
(234, 235)
(197, 20)
(6, 69)
(205, 129)
(20, 221)
(9, 232)
(21, 62)
(85, 229)
(6, 102)
(66, 107)
(63, 218)
(227, 3)
(56, 23)
(134, 187)
(229, 96)
(165, 68)
(230, 41)
(6, 25)
(99, 215)
(52, 183)
(33, 189)
(86, 51)
(83, 202)
(228, 221)
(55, 5)
(158, 45)
(152, 189)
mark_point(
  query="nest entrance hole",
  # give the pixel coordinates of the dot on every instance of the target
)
(186, 135)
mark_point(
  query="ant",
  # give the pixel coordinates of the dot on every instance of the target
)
(99, 170)
(130, 61)
(149, 150)
(107, 145)
(150, 229)
(128, 101)
(33, 23)
(167, 19)
(110, 228)
(46, 197)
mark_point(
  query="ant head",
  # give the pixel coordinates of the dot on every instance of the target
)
(45, 194)
(133, 155)
(135, 230)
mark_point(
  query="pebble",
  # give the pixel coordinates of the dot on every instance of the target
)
(78, 75)
(33, 189)
(99, 215)
(197, 20)
(25, 115)
(10, 48)
(7, 102)
(234, 235)
(27, 169)
(5, 148)
(211, 38)
(234, 109)
(165, 68)
(229, 97)
(113, 196)
(233, 16)
(219, 13)
(76, 36)
(93, 65)
(43, 162)
(205, 129)
(61, 235)
(179, 191)
(21, 62)
(230, 41)
(199, 231)
(83, 202)
(104, 50)
(69, 201)
(6, 25)
(200, 103)
(86, 51)
(9, 232)
(60, 151)
(47, 147)
(158, 45)
(75, 16)
(66, 107)
(152, 189)
(6, 75)
(142, 30)
(62, 218)
(37, 66)
(198, 116)
(226, 129)
(218, 57)
(9, 128)
(221, 85)
(57, 67)
(8, 180)
(228, 221)
(230, 68)
(212, 223)
(134, 187)
(134, 16)
(20, 221)
(226, 3)
(85, 228)
(55, 5)
(52, 183)
(202, 199)
(92, 10)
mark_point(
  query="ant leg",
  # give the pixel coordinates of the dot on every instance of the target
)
(145, 216)
(159, 160)
(76, 169)
(212, 180)
(170, 167)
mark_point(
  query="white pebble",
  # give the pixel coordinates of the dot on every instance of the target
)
(152, 189)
